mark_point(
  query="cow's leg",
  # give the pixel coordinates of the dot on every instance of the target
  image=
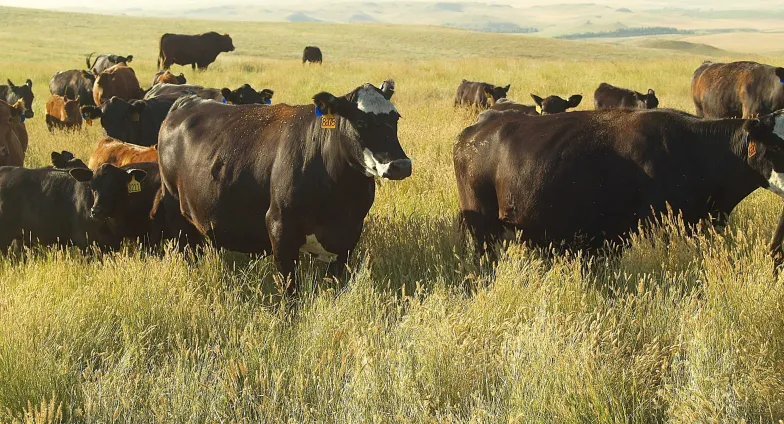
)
(337, 268)
(775, 249)
(286, 239)
(193, 67)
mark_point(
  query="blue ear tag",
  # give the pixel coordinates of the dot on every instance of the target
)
(223, 100)
(781, 80)
(84, 116)
(22, 118)
(318, 112)
(268, 102)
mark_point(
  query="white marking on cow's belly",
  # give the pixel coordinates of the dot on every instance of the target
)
(315, 248)
(776, 183)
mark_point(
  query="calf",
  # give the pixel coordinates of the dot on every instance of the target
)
(117, 81)
(555, 104)
(13, 134)
(312, 54)
(608, 97)
(63, 113)
(117, 153)
(66, 160)
(135, 121)
(480, 95)
(166, 77)
(12, 94)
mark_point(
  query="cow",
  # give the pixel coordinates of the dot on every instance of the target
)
(119, 81)
(280, 179)
(737, 89)
(12, 93)
(555, 104)
(584, 178)
(479, 95)
(63, 113)
(166, 77)
(195, 50)
(66, 160)
(506, 104)
(119, 154)
(13, 134)
(243, 95)
(312, 54)
(74, 84)
(135, 121)
(106, 61)
(609, 96)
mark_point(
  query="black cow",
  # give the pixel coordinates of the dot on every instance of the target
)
(584, 178)
(13, 93)
(74, 84)
(312, 54)
(506, 104)
(106, 61)
(195, 50)
(480, 95)
(555, 104)
(66, 160)
(244, 95)
(135, 121)
(280, 179)
(609, 96)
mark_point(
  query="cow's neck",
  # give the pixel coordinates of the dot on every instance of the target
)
(341, 153)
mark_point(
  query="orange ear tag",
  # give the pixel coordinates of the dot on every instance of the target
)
(752, 149)
(328, 121)
(89, 122)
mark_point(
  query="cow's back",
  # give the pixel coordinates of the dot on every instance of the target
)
(737, 89)
(472, 94)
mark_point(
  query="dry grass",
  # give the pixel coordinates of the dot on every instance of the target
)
(671, 329)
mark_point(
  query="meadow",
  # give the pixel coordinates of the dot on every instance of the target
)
(671, 328)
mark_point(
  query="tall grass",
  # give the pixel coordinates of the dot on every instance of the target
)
(672, 328)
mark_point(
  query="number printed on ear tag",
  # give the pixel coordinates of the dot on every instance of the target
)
(134, 186)
(752, 149)
(328, 121)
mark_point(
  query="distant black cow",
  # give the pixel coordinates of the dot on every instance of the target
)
(106, 61)
(555, 104)
(506, 104)
(12, 93)
(244, 95)
(135, 121)
(312, 54)
(66, 160)
(280, 179)
(74, 84)
(166, 77)
(480, 95)
(737, 89)
(195, 50)
(608, 97)
(584, 178)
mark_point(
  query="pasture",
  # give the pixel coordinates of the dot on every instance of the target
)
(670, 329)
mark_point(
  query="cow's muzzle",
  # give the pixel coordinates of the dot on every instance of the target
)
(97, 212)
(398, 169)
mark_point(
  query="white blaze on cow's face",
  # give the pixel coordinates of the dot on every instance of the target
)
(382, 155)
(370, 100)
(776, 179)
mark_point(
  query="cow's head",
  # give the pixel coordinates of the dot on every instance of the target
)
(245, 95)
(9, 118)
(71, 109)
(266, 96)
(765, 149)
(111, 187)
(23, 93)
(119, 118)
(226, 43)
(495, 94)
(66, 160)
(648, 100)
(555, 104)
(126, 59)
(370, 121)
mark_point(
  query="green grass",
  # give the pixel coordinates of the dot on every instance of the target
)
(673, 328)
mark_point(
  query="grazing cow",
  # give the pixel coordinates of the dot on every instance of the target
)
(13, 134)
(280, 179)
(737, 89)
(63, 113)
(166, 77)
(13, 93)
(74, 84)
(106, 61)
(135, 121)
(480, 95)
(312, 54)
(609, 96)
(119, 154)
(195, 50)
(555, 104)
(66, 160)
(119, 81)
(506, 104)
(584, 178)
(244, 95)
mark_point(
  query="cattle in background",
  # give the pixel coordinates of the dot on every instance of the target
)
(118, 153)
(280, 178)
(195, 50)
(555, 104)
(245, 94)
(608, 97)
(119, 81)
(506, 104)
(737, 89)
(135, 121)
(584, 178)
(12, 94)
(63, 113)
(480, 95)
(74, 84)
(312, 54)
(166, 77)
(106, 61)
(66, 160)
(13, 134)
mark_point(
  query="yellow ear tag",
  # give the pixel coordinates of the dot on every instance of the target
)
(328, 121)
(752, 149)
(134, 186)
(135, 117)
(89, 122)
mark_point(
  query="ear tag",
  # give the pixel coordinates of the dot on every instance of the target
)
(134, 186)
(318, 112)
(135, 117)
(89, 122)
(225, 102)
(328, 121)
(752, 149)
(781, 80)
(268, 102)
(21, 118)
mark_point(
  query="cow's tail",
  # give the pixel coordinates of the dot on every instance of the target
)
(89, 67)
(160, 52)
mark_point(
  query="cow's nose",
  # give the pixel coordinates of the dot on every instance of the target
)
(398, 169)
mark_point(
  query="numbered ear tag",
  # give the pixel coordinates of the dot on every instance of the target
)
(135, 117)
(134, 186)
(22, 118)
(328, 121)
(752, 149)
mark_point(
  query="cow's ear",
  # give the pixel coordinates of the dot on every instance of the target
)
(489, 90)
(226, 93)
(29, 83)
(388, 88)
(537, 99)
(138, 174)
(82, 175)
(651, 92)
(574, 101)
(91, 112)
(57, 160)
(11, 84)
(326, 102)
(506, 89)
(129, 58)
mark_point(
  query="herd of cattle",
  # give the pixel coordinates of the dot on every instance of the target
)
(188, 163)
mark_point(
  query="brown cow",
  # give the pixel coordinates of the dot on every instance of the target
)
(479, 95)
(737, 89)
(119, 81)
(166, 77)
(195, 50)
(63, 113)
(13, 134)
(118, 153)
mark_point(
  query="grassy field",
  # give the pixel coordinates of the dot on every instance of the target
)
(671, 329)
